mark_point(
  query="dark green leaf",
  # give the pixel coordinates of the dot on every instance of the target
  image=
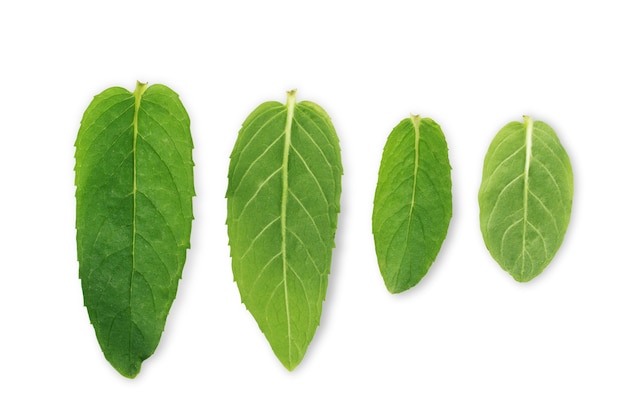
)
(283, 200)
(525, 197)
(134, 185)
(413, 202)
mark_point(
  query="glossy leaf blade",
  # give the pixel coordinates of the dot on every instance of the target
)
(283, 202)
(413, 202)
(525, 197)
(134, 186)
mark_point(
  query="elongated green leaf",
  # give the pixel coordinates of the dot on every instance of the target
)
(413, 202)
(134, 185)
(283, 200)
(525, 197)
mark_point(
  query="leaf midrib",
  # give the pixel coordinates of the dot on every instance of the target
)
(528, 124)
(416, 124)
(415, 120)
(291, 101)
(139, 90)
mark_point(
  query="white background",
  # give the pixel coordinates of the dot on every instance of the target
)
(468, 340)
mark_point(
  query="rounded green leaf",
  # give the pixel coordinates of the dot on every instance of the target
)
(413, 202)
(134, 185)
(525, 197)
(283, 201)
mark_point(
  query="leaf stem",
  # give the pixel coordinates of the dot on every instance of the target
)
(139, 90)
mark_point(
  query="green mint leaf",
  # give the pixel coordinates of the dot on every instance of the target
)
(525, 197)
(413, 202)
(283, 201)
(134, 185)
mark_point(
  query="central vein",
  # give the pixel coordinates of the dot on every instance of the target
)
(416, 124)
(139, 90)
(528, 123)
(291, 102)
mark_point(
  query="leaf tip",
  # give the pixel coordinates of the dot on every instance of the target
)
(397, 288)
(524, 277)
(290, 367)
(127, 370)
(291, 363)
(394, 290)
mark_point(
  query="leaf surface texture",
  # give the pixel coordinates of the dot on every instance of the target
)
(134, 188)
(413, 202)
(283, 202)
(525, 197)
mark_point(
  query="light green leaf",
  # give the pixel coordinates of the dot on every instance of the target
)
(283, 200)
(134, 185)
(413, 202)
(525, 197)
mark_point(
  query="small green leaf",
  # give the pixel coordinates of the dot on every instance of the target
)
(525, 197)
(134, 185)
(413, 202)
(283, 201)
